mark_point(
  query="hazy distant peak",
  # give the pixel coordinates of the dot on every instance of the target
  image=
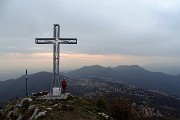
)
(94, 66)
(165, 68)
(128, 67)
(42, 72)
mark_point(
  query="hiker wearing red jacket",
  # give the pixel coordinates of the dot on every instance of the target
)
(64, 86)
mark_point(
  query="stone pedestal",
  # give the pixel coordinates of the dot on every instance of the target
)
(56, 91)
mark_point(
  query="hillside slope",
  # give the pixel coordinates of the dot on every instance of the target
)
(133, 75)
(129, 75)
(155, 102)
(16, 87)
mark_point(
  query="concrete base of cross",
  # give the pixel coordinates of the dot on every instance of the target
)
(54, 97)
(61, 96)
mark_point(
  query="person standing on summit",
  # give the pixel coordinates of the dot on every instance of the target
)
(64, 86)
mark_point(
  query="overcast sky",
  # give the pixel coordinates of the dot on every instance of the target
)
(109, 32)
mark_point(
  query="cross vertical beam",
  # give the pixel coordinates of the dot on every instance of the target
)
(56, 82)
(56, 41)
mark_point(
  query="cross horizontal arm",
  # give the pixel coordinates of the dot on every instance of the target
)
(52, 41)
(44, 40)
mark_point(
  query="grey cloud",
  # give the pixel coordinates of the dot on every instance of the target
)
(102, 27)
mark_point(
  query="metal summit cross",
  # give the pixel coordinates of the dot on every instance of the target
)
(56, 41)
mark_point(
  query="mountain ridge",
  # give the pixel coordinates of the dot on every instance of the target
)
(91, 86)
(133, 75)
(127, 74)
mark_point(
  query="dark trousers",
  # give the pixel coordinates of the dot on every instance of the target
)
(63, 89)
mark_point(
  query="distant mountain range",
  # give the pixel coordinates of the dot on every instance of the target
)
(133, 75)
(157, 103)
(129, 75)
(162, 67)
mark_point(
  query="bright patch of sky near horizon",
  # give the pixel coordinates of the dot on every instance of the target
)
(109, 33)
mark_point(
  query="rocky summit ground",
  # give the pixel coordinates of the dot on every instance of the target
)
(72, 108)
